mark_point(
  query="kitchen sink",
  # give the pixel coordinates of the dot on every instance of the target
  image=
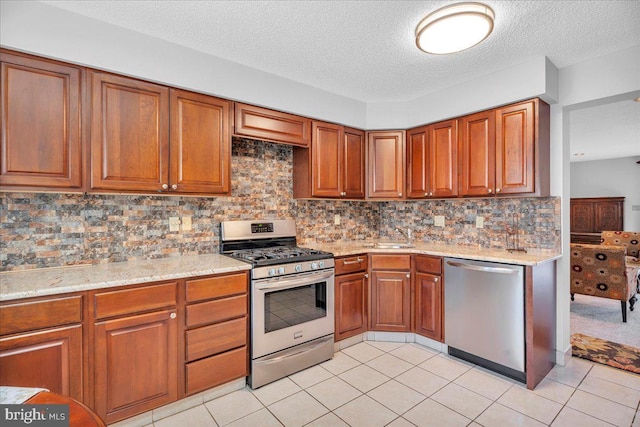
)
(389, 245)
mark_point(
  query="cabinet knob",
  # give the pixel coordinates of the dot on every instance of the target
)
(399, 194)
(173, 316)
(165, 186)
(174, 187)
(408, 275)
(490, 190)
(430, 194)
(344, 193)
(497, 190)
(426, 194)
(366, 276)
(435, 279)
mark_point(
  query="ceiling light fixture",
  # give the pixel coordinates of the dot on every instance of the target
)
(454, 28)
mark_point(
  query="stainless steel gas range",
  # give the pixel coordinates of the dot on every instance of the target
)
(292, 305)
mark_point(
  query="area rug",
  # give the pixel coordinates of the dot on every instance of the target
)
(606, 352)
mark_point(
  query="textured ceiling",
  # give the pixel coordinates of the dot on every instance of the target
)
(365, 50)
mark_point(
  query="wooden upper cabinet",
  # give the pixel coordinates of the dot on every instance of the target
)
(200, 148)
(515, 151)
(418, 163)
(386, 165)
(333, 167)
(443, 159)
(478, 154)
(353, 166)
(41, 123)
(270, 125)
(326, 159)
(432, 160)
(129, 134)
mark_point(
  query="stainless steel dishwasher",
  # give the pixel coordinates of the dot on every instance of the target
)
(484, 314)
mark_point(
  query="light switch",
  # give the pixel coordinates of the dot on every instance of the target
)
(174, 223)
(479, 222)
(438, 221)
(336, 219)
(186, 223)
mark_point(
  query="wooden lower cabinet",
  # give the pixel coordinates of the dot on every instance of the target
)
(135, 364)
(41, 343)
(351, 304)
(428, 306)
(216, 329)
(428, 297)
(50, 359)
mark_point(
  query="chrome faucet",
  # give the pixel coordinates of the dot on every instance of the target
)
(406, 234)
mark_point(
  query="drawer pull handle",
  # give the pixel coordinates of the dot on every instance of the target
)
(357, 261)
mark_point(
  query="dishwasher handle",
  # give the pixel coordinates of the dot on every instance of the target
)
(499, 270)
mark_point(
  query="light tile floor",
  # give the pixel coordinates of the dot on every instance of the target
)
(395, 384)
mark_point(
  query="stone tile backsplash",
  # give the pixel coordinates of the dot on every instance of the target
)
(49, 230)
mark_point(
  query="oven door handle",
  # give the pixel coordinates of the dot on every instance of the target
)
(297, 281)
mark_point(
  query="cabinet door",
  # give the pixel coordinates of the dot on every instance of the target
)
(353, 164)
(129, 134)
(478, 154)
(40, 114)
(391, 301)
(386, 165)
(417, 163)
(200, 143)
(582, 217)
(270, 125)
(515, 160)
(136, 362)
(351, 305)
(326, 157)
(443, 159)
(607, 216)
(50, 359)
(428, 303)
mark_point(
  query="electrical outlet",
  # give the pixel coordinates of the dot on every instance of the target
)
(479, 222)
(186, 223)
(438, 221)
(174, 223)
(336, 219)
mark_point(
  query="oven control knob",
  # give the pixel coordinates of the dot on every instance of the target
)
(280, 270)
(321, 264)
(314, 265)
(298, 268)
(272, 272)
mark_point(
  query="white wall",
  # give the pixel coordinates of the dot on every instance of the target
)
(609, 78)
(610, 178)
(52, 32)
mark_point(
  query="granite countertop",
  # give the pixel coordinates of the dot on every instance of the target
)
(531, 257)
(51, 281)
(59, 280)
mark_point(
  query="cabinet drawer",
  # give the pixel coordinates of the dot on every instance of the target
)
(351, 264)
(391, 262)
(134, 300)
(429, 264)
(216, 287)
(213, 339)
(28, 316)
(216, 370)
(216, 311)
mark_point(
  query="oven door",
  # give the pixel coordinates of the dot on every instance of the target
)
(291, 310)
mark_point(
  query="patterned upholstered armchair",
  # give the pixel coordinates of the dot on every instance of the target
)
(630, 239)
(602, 271)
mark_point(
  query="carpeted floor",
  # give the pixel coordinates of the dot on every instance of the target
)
(602, 318)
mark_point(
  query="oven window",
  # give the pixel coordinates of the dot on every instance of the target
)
(289, 307)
